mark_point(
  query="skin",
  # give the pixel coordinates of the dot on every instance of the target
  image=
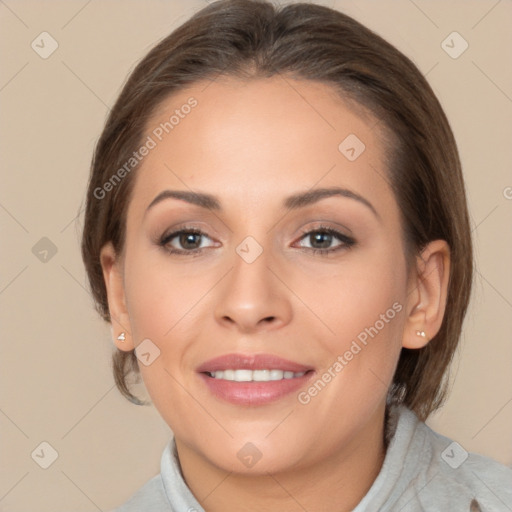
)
(252, 144)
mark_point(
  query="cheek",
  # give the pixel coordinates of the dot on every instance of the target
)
(169, 305)
(363, 303)
(163, 308)
(158, 300)
(356, 295)
(365, 309)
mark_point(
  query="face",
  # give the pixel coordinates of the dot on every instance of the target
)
(267, 276)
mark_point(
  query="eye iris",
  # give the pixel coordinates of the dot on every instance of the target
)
(326, 238)
(185, 238)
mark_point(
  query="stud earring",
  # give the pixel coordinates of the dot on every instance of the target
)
(421, 333)
(122, 337)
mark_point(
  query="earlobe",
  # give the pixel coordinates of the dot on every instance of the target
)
(113, 276)
(428, 290)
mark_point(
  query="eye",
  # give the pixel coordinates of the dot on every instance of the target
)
(190, 240)
(321, 240)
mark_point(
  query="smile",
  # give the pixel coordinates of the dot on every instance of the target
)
(254, 375)
(253, 379)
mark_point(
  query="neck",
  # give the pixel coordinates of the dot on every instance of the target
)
(337, 482)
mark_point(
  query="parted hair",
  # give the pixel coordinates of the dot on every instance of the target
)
(256, 39)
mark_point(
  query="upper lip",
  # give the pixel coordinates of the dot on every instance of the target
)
(251, 362)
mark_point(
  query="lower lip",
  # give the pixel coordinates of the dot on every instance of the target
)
(254, 393)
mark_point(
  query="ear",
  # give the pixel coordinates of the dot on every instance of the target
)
(113, 276)
(427, 294)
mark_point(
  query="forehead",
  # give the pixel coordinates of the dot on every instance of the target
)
(260, 138)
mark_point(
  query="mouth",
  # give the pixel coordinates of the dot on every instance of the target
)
(254, 379)
(254, 375)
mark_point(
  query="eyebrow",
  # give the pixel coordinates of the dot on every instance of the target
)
(292, 202)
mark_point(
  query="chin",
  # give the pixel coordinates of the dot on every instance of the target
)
(253, 457)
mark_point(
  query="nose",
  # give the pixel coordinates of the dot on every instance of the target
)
(253, 296)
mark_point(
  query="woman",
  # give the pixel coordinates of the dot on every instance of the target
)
(282, 247)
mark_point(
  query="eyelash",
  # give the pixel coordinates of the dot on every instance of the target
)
(347, 242)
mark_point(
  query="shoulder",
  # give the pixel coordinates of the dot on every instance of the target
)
(151, 496)
(452, 475)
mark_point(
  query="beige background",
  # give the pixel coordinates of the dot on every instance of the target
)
(55, 380)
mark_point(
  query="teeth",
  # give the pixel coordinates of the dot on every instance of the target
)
(261, 375)
(228, 374)
(243, 375)
(254, 375)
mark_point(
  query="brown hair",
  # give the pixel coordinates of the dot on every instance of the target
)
(253, 38)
